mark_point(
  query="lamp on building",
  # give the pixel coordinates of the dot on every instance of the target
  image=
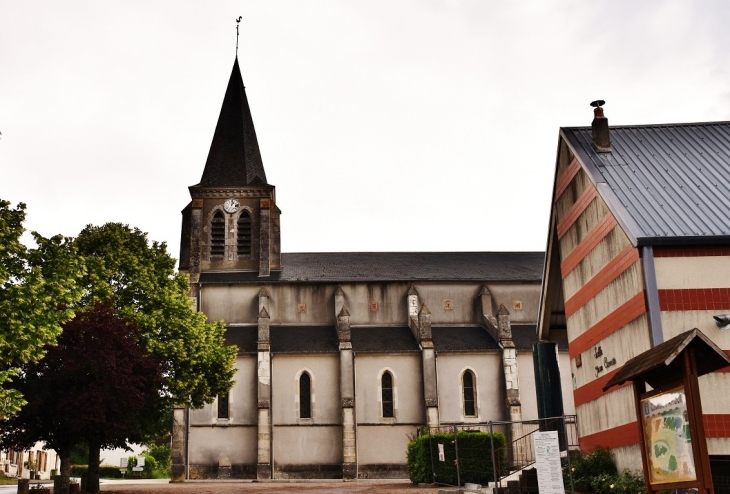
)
(722, 321)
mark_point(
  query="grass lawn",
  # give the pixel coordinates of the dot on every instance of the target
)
(4, 481)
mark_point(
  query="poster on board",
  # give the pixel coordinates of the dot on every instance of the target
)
(547, 461)
(668, 437)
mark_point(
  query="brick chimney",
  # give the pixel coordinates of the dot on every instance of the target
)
(599, 128)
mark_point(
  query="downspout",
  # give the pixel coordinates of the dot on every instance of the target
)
(271, 411)
(187, 444)
(652, 296)
(354, 416)
(199, 304)
(436, 365)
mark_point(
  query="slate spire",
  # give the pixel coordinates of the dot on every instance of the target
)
(234, 158)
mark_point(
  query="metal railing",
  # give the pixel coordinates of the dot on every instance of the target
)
(504, 463)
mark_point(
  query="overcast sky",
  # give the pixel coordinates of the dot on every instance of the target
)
(385, 125)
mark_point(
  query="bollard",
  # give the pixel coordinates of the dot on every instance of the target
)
(23, 486)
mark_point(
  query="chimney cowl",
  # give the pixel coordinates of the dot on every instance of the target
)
(599, 127)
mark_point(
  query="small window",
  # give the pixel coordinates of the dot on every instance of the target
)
(223, 408)
(386, 387)
(244, 234)
(217, 236)
(469, 394)
(305, 396)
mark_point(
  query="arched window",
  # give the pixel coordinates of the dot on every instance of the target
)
(244, 234)
(223, 410)
(469, 394)
(305, 396)
(386, 389)
(217, 236)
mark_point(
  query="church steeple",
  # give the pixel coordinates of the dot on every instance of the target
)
(232, 223)
(234, 158)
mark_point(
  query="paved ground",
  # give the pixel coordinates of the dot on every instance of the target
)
(365, 487)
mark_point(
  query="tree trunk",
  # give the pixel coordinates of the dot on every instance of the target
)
(65, 471)
(92, 480)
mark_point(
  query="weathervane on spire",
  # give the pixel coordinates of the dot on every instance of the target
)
(238, 21)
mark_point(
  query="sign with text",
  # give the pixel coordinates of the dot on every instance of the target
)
(441, 453)
(547, 461)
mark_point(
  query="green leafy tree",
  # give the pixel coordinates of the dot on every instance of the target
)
(139, 279)
(97, 386)
(37, 289)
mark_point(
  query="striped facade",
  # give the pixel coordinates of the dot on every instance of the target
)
(604, 303)
(620, 299)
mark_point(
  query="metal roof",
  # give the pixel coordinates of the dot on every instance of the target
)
(664, 183)
(336, 267)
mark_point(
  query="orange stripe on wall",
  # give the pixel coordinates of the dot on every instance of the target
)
(694, 299)
(623, 261)
(594, 389)
(617, 319)
(695, 251)
(716, 425)
(576, 209)
(597, 233)
(562, 183)
(623, 435)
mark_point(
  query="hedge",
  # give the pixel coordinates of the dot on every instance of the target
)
(475, 458)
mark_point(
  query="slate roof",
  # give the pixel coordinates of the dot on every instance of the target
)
(396, 266)
(397, 339)
(243, 337)
(303, 339)
(234, 158)
(664, 183)
(463, 339)
(525, 335)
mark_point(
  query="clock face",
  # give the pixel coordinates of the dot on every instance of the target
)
(231, 205)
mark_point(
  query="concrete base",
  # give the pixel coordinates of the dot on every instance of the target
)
(383, 471)
(213, 472)
(308, 471)
(177, 473)
(263, 471)
(349, 470)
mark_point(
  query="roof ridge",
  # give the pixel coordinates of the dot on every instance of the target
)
(639, 126)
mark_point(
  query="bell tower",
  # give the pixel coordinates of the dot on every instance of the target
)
(232, 222)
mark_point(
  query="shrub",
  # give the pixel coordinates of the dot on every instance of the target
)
(596, 472)
(588, 466)
(626, 483)
(475, 458)
(162, 455)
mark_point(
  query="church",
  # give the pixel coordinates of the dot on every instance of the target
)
(342, 356)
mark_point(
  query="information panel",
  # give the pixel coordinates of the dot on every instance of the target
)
(668, 437)
(547, 461)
